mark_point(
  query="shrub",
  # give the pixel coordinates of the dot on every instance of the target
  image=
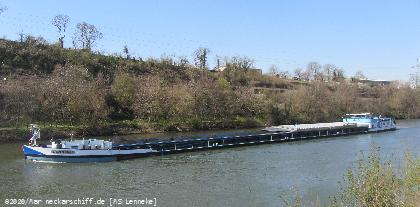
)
(375, 184)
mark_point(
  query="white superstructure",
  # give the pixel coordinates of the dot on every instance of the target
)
(89, 150)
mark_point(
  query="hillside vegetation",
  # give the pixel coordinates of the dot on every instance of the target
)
(92, 93)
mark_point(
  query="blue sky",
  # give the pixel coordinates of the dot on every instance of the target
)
(379, 37)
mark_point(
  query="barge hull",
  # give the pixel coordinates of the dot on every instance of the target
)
(121, 152)
(191, 145)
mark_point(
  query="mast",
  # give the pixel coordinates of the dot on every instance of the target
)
(36, 134)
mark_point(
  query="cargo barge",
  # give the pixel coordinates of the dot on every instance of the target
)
(93, 150)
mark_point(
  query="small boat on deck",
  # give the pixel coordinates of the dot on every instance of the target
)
(89, 150)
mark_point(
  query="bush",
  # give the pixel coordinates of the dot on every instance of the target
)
(372, 183)
(375, 184)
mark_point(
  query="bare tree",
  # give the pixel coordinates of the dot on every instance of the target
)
(126, 52)
(338, 74)
(182, 61)
(273, 70)
(359, 75)
(2, 9)
(240, 62)
(21, 36)
(313, 71)
(218, 62)
(298, 73)
(284, 74)
(328, 71)
(86, 35)
(61, 21)
(200, 57)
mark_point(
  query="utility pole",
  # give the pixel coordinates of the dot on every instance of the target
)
(415, 77)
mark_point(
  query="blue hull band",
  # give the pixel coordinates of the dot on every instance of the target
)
(29, 151)
(71, 159)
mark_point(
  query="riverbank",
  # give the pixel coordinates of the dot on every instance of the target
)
(126, 127)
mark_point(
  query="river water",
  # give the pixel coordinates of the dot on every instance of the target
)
(247, 176)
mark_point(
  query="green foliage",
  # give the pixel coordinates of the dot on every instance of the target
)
(375, 183)
(223, 83)
(372, 183)
(123, 90)
(33, 54)
(411, 183)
